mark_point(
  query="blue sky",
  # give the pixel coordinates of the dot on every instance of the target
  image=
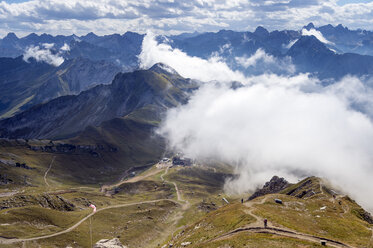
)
(176, 16)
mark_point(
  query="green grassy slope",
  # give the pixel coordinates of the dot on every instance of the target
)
(322, 214)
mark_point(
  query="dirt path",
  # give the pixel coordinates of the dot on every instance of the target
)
(135, 179)
(11, 241)
(178, 194)
(258, 227)
(259, 220)
(284, 233)
(46, 172)
(10, 193)
(185, 206)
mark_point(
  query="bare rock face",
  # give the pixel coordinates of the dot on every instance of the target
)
(109, 243)
(275, 185)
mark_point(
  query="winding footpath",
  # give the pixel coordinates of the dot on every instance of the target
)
(178, 194)
(135, 179)
(46, 172)
(11, 241)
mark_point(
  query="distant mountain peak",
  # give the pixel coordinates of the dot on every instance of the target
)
(308, 44)
(130, 33)
(163, 68)
(340, 27)
(261, 32)
(32, 35)
(91, 34)
(309, 26)
(11, 36)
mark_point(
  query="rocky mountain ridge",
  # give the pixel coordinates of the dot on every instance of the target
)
(67, 115)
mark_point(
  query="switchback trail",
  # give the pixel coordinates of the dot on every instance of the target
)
(46, 172)
(178, 194)
(11, 241)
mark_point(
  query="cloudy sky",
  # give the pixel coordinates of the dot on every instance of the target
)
(175, 16)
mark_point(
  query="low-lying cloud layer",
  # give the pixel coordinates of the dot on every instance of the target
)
(264, 62)
(317, 34)
(290, 126)
(44, 54)
(189, 67)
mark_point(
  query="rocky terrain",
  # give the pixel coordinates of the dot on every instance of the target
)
(275, 185)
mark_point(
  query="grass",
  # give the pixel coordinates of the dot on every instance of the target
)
(259, 241)
(27, 222)
(331, 223)
(215, 223)
(136, 226)
(149, 225)
(197, 183)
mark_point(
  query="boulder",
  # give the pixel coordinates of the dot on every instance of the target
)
(275, 185)
(109, 243)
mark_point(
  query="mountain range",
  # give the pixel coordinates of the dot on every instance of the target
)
(81, 133)
(123, 50)
(42, 100)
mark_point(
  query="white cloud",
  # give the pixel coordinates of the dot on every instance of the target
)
(260, 54)
(290, 44)
(44, 55)
(264, 62)
(273, 126)
(189, 67)
(48, 45)
(106, 16)
(65, 48)
(317, 34)
(283, 125)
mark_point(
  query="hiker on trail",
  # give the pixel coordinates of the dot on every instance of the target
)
(265, 223)
(242, 200)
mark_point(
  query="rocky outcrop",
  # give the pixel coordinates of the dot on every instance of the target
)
(275, 185)
(15, 164)
(109, 243)
(4, 179)
(310, 187)
(71, 148)
(45, 200)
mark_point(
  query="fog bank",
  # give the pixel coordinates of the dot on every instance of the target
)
(285, 125)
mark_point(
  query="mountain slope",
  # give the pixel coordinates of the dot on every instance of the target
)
(24, 84)
(304, 222)
(311, 55)
(68, 115)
